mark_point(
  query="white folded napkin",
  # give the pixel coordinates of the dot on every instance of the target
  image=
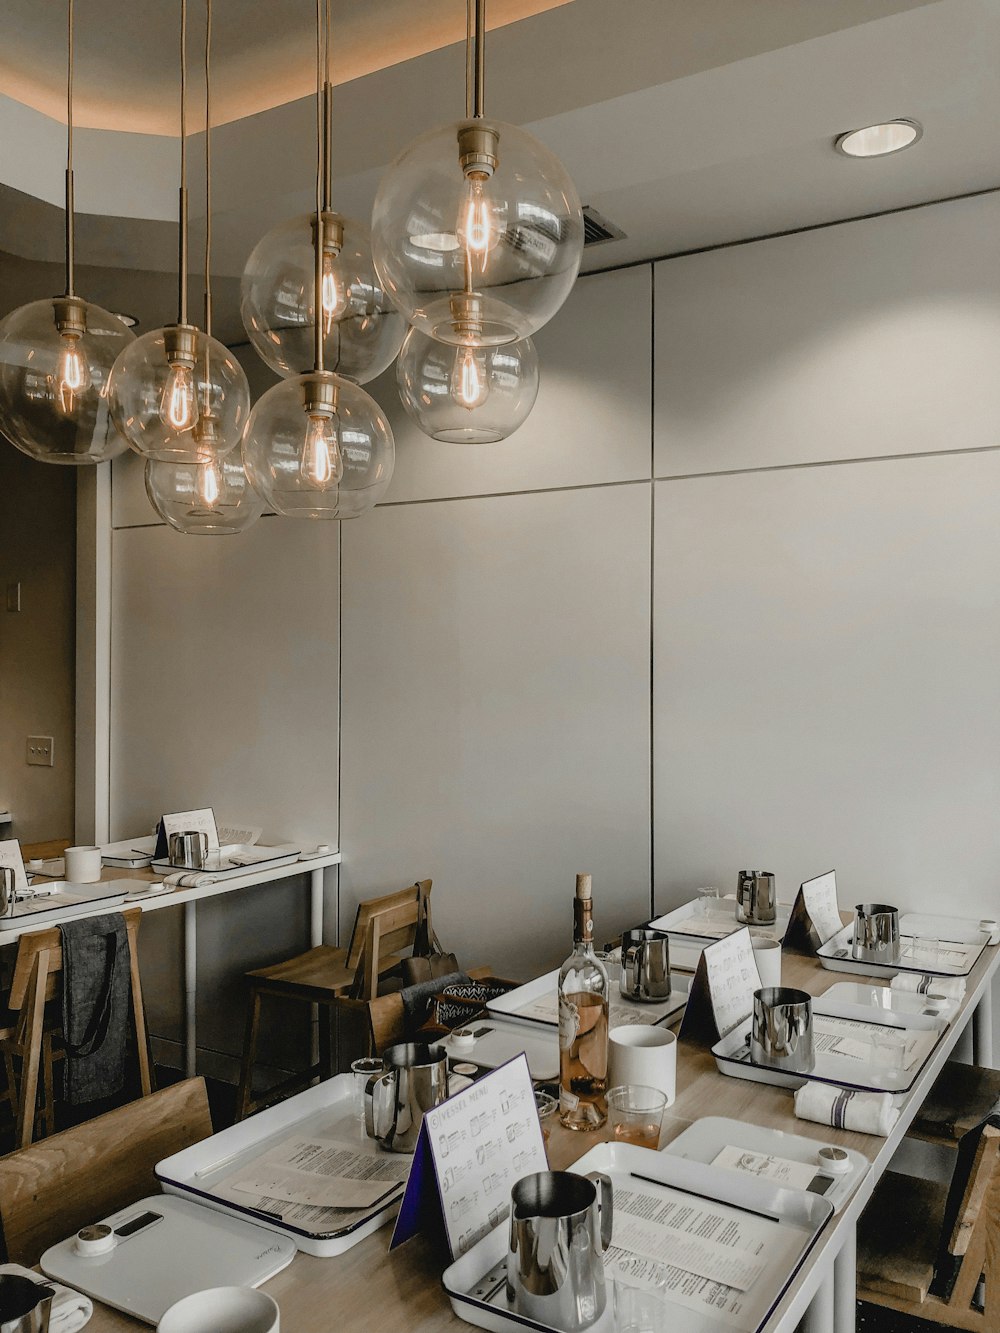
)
(945, 988)
(188, 879)
(843, 1108)
(70, 1309)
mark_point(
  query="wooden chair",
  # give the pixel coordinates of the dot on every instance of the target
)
(30, 1039)
(923, 1247)
(53, 1188)
(961, 1098)
(384, 930)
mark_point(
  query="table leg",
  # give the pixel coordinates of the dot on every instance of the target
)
(819, 1318)
(315, 938)
(982, 1029)
(845, 1284)
(190, 989)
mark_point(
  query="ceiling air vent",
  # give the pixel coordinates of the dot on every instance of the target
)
(597, 229)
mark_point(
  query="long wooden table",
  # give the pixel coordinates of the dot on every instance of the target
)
(369, 1287)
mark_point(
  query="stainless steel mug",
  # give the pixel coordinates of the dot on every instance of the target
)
(782, 1030)
(415, 1081)
(560, 1226)
(8, 895)
(876, 933)
(756, 898)
(25, 1305)
(645, 965)
(189, 850)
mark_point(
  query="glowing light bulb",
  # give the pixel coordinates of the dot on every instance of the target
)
(178, 409)
(72, 375)
(475, 229)
(331, 297)
(209, 484)
(322, 462)
(469, 382)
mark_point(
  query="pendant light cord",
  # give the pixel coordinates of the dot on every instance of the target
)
(327, 116)
(320, 172)
(475, 59)
(182, 259)
(208, 168)
(70, 203)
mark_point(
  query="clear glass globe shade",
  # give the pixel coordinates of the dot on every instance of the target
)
(54, 387)
(318, 446)
(514, 240)
(467, 395)
(183, 404)
(362, 328)
(203, 499)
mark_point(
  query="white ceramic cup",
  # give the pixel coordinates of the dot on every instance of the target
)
(222, 1310)
(83, 865)
(767, 956)
(640, 1054)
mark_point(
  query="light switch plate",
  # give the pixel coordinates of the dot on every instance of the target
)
(40, 751)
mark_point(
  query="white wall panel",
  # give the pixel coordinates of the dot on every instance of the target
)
(496, 715)
(869, 339)
(130, 507)
(826, 691)
(224, 677)
(590, 423)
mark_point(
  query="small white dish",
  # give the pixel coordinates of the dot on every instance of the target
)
(223, 1310)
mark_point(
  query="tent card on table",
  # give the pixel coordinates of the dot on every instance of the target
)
(722, 990)
(815, 915)
(471, 1150)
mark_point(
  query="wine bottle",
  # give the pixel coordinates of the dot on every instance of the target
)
(583, 1023)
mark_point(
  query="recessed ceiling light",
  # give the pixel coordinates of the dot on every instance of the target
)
(130, 321)
(877, 140)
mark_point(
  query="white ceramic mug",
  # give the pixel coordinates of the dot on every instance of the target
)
(767, 956)
(83, 865)
(222, 1310)
(639, 1053)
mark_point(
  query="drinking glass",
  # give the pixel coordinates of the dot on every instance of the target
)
(925, 950)
(546, 1105)
(638, 1310)
(612, 960)
(889, 1048)
(709, 901)
(635, 1114)
(363, 1070)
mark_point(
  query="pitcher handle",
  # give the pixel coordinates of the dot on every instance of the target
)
(375, 1105)
(605, 1204)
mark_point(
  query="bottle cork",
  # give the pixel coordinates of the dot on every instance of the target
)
(583, 886)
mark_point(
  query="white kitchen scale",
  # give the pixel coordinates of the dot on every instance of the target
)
(162, 1249)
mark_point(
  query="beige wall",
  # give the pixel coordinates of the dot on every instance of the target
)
(37, 645)
(732, 594)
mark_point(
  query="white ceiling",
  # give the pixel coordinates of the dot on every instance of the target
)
(689, 123)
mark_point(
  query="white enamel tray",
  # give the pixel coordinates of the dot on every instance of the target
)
(476, 1284)
(62, 899)
(535, 1002)
(893, 1001)
(962, 943)
(229, 862)
(130, 853)
(328, 1107)
(703, 1140)
(690, 930)
(732, 1053)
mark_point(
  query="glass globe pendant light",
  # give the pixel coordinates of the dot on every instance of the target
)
(213, 498)
(362, 329)
(467, 395)
(477, 230)
(56, 356)
(177, 394)
(316, 445)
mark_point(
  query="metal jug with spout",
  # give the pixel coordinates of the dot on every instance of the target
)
(25, 1305)
(756, 898)
(415, 1081)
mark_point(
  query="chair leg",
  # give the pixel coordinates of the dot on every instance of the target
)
(244, 1100)
(10, 1095)
(35, 1022)
(49, 1092)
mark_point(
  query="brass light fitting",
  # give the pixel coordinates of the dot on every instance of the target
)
(333, 232)
(180, 344)
(319, 394)
(70, 316)
(477, 149)
(467, 316)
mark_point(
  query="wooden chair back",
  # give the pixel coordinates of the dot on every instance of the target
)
(402, 899)
(387, 1018)
(53, 1188)
(968, 1219)
(35, 981)
(385, 930)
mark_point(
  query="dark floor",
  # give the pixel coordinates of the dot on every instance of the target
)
(222, 1100)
